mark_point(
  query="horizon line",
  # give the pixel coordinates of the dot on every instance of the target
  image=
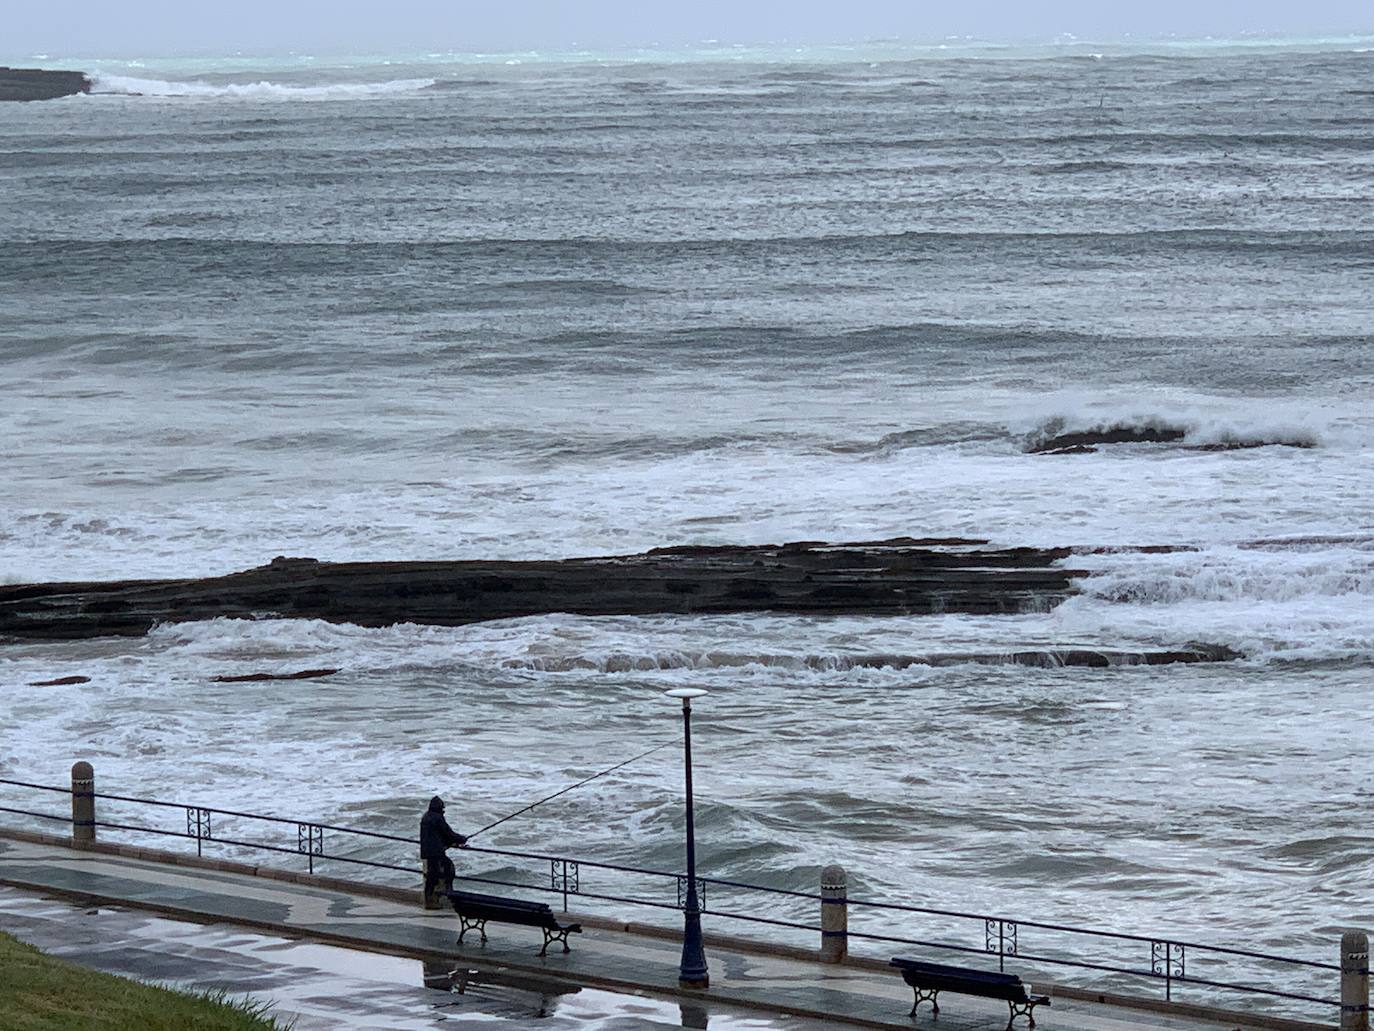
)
(728, 50)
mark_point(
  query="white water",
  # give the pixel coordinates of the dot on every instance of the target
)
(104, 83)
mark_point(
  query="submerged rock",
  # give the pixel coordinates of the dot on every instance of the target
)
(304, 674)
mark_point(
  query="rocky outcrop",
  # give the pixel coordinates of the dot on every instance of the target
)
(881, 578)
(1085, 442)
(38, 84)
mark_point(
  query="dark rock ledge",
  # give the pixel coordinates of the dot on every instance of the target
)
(897, 577)
(1088, 441)
(902, 576)
(39, 84)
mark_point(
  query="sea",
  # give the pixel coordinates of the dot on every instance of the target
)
(541, 305)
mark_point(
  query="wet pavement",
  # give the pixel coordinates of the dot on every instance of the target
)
(323, 987)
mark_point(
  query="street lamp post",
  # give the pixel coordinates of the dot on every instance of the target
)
(693, 972)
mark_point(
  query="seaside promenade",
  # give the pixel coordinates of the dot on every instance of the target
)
(610, 955)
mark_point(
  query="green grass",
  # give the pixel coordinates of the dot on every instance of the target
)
(40, 993)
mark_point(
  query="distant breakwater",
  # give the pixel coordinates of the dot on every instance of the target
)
(898, 577)
(40, 84)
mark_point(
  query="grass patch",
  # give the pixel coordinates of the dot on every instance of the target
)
(40, 993)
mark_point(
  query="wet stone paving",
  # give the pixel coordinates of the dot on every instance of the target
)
(321, 987)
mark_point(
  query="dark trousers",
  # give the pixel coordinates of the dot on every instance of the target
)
(438, 869)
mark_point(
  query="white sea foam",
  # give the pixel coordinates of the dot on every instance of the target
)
(124, 85)
(504, 507)
(1237, 575)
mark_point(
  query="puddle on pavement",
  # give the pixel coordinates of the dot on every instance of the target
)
(324, 987)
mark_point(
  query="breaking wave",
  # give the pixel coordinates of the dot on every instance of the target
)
(1040, 658)
(1237, 576)
(124, 85)
(1206, 431)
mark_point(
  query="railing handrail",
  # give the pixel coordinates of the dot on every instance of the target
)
(723, 882)
(40, 787)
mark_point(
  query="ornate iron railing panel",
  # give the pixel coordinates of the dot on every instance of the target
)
(310, 842)
(198, 825)
(1168, 960)
(682, 892)
(999, 936)
(565, 875)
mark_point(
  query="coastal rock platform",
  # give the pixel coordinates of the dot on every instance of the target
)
(902, 576)
(40, 84)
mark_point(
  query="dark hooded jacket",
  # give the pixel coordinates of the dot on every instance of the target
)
(435, 833)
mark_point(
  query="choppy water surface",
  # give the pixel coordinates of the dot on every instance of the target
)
(441, 309)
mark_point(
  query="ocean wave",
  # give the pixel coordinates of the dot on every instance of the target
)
(1080, 167)
(1151, 143)
(1059, 657)
(558, 644)
(123, 85)
(1227, 577)
(954, 432)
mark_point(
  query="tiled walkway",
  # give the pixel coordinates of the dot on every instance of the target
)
(777, 984)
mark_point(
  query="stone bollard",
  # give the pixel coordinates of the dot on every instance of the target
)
(834, 914)
(433, 898)
(1354, 981)
(83, 803)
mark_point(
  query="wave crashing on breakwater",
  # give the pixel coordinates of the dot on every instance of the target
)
(106, 84)
(1038, 658)
(1069, 435)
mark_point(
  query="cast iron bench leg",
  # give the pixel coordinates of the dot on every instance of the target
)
(468, 925)
(554, 936)
(1026, 1010)
(923, 996)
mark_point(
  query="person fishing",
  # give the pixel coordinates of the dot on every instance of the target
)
(436, 838)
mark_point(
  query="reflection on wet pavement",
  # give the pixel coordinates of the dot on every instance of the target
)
(324, 987)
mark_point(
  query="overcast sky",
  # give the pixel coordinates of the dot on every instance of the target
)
(165, 28)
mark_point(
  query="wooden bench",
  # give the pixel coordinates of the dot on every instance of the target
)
(928, 980)
(475, 910)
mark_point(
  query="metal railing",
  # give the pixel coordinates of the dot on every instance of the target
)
(1162, 960)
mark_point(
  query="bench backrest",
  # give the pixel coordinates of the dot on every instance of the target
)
(511, 911)
(992, 984)
(477, 898)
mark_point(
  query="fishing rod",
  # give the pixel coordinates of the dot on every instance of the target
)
(564, 791)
